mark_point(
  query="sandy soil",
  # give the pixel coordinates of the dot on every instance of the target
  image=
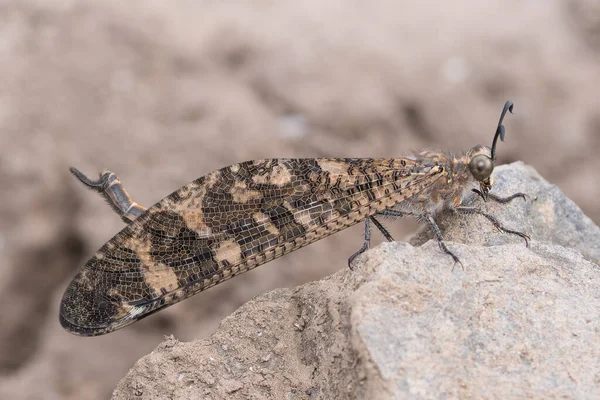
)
(162, 92)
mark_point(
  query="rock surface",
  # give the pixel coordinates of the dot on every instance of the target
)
(517, 322)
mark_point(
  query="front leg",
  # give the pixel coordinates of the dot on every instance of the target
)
(498, 199)
(473, 210)
(506, 200)
(111, 188)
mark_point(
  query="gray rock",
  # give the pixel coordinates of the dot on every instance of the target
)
(516, 322)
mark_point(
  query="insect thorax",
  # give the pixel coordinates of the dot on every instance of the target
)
(453, 185)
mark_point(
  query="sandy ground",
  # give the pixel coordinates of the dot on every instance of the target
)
(162, 92)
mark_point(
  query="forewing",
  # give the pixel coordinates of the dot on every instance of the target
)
(223, 224)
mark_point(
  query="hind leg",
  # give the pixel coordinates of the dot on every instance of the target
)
(110, 187)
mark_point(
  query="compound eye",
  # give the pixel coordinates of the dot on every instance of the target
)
(481, 167)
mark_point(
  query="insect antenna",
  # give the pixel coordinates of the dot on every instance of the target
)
(500, 132)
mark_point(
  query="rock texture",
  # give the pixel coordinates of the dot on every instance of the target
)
(517, 322)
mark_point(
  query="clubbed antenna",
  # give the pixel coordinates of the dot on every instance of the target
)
(500, 132)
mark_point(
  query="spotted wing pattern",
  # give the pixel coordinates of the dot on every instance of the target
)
(226, 223)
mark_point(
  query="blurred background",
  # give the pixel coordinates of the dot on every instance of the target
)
(164, 91)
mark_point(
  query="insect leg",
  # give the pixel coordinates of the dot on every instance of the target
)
(382, 229)
(440, 239)
(505, 200)
(493, 220)
(111, 188)
(501, 200)
(365, 245)
(391, 213)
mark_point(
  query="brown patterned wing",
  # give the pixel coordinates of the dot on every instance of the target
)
(226, 223)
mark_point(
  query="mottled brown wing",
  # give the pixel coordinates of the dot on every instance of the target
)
(226, 223)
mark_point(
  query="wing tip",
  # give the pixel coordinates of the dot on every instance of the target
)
(80, 325)
(79, 330)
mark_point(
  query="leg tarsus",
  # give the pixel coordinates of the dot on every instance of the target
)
(367, 241)
(440, 239)
(365, 245)
(100, 185)
(506, 200)
(498, 199)
(494, 221)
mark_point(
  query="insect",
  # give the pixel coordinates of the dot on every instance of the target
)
(244, 215)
